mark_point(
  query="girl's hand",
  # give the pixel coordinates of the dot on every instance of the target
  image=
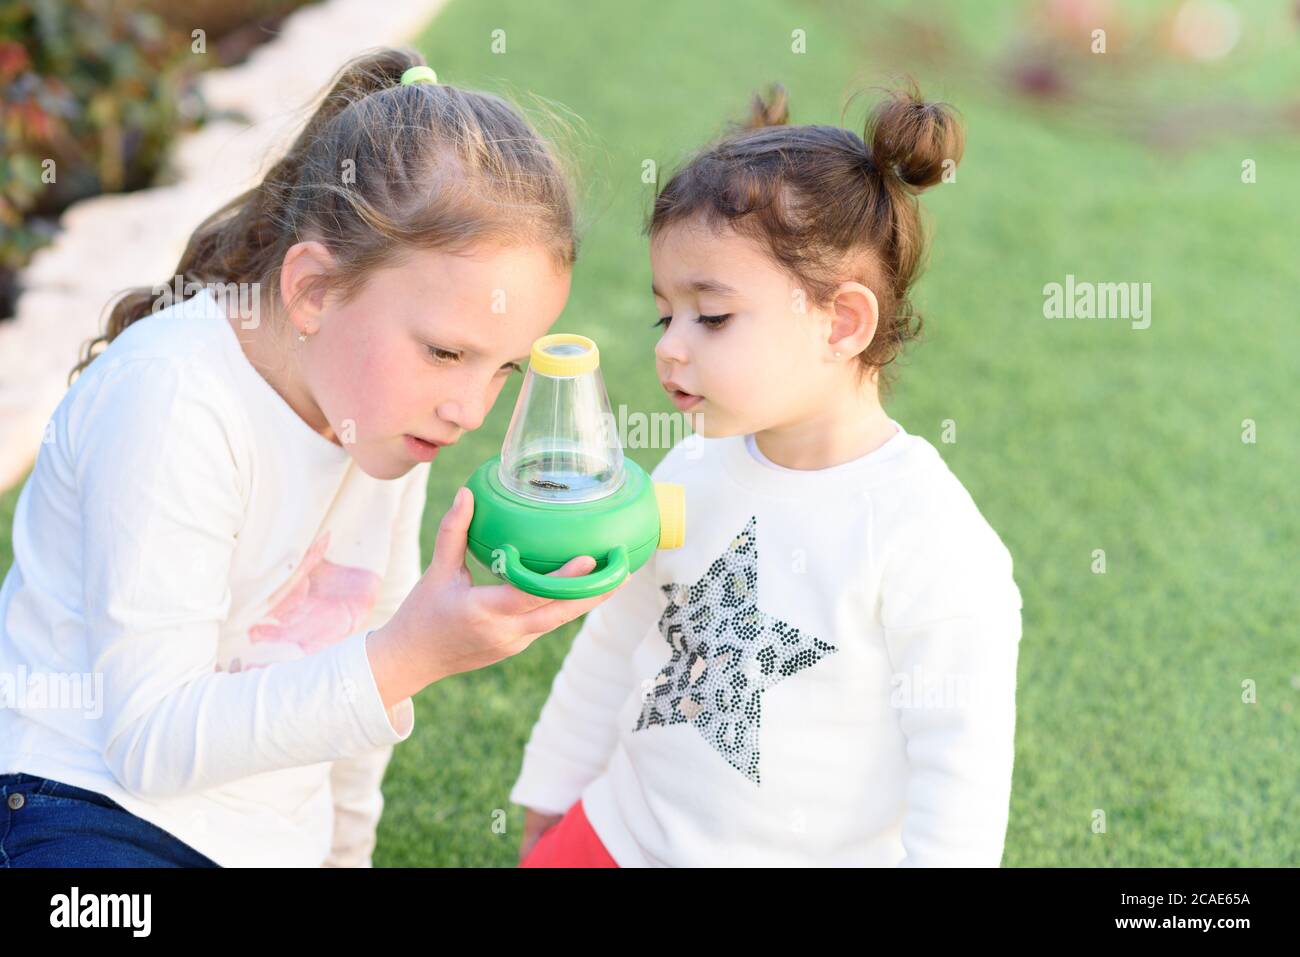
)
(535, 825)
(447, 625)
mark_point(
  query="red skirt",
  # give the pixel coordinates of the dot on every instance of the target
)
(570, 843)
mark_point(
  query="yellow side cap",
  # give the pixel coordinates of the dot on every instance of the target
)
(564, 354)
(672, 514)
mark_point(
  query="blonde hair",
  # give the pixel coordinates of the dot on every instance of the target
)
(435, 167)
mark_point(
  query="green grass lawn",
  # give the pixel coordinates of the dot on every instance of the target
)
(1072, 435)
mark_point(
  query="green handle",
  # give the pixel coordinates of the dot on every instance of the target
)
(597, 582)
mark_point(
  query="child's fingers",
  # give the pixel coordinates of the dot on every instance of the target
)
(574, 567)
(509, 600)
(560, 611)
(449, 548)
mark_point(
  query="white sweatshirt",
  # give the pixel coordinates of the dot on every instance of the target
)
(823, 675)
(195, 573)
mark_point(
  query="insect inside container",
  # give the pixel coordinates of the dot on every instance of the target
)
(548, 484)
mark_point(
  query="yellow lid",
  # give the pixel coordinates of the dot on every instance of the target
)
(564, 354)
(672, 514)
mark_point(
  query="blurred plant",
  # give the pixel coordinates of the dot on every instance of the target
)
(1062, 39)
(1148, 70)
(234, 27)
(91, 94)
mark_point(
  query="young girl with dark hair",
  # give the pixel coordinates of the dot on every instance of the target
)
(825, 674)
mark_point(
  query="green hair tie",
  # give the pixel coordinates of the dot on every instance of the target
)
(419, 74)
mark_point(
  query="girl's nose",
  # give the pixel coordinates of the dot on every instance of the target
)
(670, 347)
(465, 414)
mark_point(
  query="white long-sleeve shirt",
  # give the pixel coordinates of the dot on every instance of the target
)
(195, 574)
(823, 675)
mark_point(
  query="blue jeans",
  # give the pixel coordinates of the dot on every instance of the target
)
(46, 823)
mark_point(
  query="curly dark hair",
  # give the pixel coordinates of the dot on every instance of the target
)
(827, 206)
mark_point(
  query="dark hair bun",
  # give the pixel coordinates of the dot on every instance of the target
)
(910, 139)
(772, 109)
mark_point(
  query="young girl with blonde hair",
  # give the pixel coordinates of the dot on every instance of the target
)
(222, 536)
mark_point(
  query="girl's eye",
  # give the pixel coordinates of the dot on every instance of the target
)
(443, 355)
(447, 356)
(712, 322)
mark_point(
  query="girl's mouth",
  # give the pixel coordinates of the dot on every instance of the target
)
(421, 450)
(684, 400)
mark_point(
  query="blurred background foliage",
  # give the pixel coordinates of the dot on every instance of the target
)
(92, 94)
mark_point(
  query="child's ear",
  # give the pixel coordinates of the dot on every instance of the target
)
(301, 287)
(854, 316)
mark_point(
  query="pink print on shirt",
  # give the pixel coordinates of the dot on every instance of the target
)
(321, 604)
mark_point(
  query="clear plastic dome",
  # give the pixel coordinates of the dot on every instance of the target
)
(561, 445)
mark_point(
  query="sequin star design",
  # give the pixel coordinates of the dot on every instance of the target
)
(725, 654)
